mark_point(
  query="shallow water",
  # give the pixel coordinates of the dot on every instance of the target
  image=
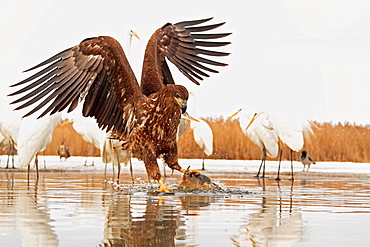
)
(81, 209)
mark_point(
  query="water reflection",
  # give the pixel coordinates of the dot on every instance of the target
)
(276, 223)
(7, 202)
(33, 220)
(130, 223)
(79, 209)
(27, 213)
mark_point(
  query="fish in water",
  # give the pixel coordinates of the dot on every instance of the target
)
(195, 180)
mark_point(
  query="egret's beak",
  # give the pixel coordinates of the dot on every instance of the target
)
(236, 113)
(66, 122)
(252, 120)
(187, 116)
(135, 34)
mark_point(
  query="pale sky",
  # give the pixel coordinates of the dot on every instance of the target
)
(311, 54)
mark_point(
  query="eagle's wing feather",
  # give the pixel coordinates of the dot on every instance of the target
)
(182, 49)
(181, 44)
(97, 71)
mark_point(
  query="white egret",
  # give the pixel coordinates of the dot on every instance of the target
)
(202, 132)
(34, 136)
(203, 136)
(10, 123)
(306, 160)
(11, 152)
(112, 152)
(257, 128)
(131, 34)
(292, 129)
(89, 130)
(6, 143)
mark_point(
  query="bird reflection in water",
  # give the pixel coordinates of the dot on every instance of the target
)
(275, 224)
(129, 222)
(28, 214)
(157, 221)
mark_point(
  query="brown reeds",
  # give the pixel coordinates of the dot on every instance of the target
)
(77, 145)
(331, 142)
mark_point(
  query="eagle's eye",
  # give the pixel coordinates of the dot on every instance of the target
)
(177, 95)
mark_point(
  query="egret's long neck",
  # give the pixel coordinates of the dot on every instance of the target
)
(128, 50)
(192, 105)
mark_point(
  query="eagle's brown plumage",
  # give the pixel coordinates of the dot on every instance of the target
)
(97, 71)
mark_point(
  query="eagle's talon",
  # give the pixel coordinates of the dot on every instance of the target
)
(163, 187)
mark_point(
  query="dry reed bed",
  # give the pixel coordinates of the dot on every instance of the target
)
(331, 142)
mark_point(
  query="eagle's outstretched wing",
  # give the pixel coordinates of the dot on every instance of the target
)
(95, 70)
(180, 43)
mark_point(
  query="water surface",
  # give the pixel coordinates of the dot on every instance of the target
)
(82, 209)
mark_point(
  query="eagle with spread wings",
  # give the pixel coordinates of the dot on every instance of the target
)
(146, 116)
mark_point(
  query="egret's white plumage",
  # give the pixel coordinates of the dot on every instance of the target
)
(203, 136)
(112, 152)
(87, 128)
(10, 123)
(110, 149)
(289, 126)
(34, 136)
(131, 34)
(292, 129)
(256, 126)
(6, 143)
(202, 132)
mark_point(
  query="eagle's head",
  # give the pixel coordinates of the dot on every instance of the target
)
(178, 93)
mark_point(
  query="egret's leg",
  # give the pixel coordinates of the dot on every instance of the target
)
(93, 154)
(278, 173)
(7, 161)
(37, 168)
(291, 163)
(131, 172)
(203, 161)
(264, 167)
(13, 150)
(262, 162)
(105, 171)
(87, 154)
(44, 160)
(28, 173)
(259, 169)
(119, 171)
